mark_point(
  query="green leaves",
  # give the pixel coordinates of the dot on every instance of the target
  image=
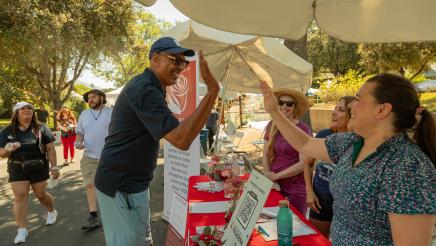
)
(120, 67)
(52, 41)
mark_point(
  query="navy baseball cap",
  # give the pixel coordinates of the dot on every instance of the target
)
(170, 46)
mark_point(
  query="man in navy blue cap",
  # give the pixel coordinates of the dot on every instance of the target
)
(140, 118)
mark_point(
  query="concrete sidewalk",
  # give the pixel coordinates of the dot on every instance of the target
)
(70, 201)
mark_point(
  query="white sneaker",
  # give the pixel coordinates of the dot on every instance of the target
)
(51, 217)
(21, 236)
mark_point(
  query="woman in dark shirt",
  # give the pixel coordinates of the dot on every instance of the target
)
(29, 147)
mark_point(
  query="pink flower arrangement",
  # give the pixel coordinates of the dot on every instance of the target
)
(209, 237)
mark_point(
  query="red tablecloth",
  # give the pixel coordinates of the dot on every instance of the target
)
(194, 220)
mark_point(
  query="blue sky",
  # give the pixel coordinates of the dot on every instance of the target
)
(162, 9)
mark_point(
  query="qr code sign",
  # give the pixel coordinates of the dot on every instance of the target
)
(247, 209)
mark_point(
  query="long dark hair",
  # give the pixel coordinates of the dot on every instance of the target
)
(403, 96)
(14, 124)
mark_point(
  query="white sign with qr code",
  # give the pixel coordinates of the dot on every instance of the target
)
(248, 209)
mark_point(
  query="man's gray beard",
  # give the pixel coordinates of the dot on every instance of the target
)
(96, 105)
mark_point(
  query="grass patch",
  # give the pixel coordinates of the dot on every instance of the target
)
(4, 122)
(428, 100)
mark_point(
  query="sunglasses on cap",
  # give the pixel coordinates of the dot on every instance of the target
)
(177, 60)
(287, 103)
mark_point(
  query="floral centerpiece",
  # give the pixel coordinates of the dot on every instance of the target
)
(229, 175)
(210, 236)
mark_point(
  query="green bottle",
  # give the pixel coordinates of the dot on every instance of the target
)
(284, 224)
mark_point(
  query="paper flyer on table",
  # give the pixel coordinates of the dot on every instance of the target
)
(208, 207)
(298, 227)
(248, 209)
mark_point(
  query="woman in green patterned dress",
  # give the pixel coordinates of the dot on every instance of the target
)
(384, 184)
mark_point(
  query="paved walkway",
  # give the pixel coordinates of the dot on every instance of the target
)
(70, 201)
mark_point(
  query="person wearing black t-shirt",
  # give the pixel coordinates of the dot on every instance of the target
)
(140, 118)
(42, 114)
(29, 147)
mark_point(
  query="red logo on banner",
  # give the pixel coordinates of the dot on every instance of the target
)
(181, 97)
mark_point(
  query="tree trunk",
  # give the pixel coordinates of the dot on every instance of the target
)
(299, 47)
(56, 104)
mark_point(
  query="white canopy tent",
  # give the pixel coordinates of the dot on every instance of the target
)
(348, 20)
(241, 61)
(111, 97)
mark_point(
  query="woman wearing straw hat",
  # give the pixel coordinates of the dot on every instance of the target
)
(281, 162)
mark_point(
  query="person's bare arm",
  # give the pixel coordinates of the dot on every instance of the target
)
(8, 149)
(183, 135)
(309, 146)
(4, 153)
(79, 141)
(60, 127)
(293, 170)
(411, 229)
(311, 198)
(265, 158)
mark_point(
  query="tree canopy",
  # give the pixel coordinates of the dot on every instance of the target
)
(398, 57)
(51, 42)
(120, 67)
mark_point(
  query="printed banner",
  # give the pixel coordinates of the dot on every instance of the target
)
(179, 165)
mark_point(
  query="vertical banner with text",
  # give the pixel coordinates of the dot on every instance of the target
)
(179, 165)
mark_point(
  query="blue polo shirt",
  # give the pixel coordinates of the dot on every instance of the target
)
(140, 118)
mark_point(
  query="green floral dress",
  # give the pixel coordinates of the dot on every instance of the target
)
(397, 178)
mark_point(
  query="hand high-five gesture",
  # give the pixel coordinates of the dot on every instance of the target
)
(269, 99)
(209, 80)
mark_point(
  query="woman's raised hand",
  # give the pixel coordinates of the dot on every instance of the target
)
(269, 99)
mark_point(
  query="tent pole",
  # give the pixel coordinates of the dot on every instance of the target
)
(225, 78)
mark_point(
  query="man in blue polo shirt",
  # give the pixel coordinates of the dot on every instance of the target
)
(140, 118)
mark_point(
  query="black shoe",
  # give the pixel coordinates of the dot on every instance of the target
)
(93, 222)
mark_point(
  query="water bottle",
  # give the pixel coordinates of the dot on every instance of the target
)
(241, 166)
(284, 224)
(228, 165)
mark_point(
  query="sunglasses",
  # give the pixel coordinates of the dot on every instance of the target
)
(287, 103)
(177, 60)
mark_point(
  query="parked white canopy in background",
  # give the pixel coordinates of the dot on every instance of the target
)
(241, 61)
(348, 20)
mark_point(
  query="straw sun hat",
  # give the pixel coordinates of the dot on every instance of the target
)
(302, 102)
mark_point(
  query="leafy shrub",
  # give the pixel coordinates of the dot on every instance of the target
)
(344, 85)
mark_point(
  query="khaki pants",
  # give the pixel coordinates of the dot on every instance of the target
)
(88, 166)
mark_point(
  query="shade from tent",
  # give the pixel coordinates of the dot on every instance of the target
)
(348, 20)
(241, 61)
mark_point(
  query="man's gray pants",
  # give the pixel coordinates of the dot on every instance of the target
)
(125, 218)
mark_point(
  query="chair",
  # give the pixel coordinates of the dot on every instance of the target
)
(258, 144)
(226, 136)
(236, 140)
